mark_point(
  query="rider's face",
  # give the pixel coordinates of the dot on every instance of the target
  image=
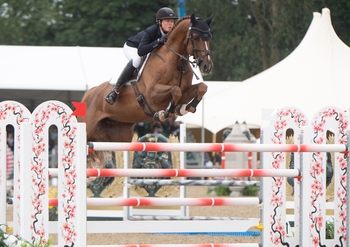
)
(167, 25)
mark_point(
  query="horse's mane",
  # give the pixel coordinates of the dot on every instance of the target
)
(178, 22)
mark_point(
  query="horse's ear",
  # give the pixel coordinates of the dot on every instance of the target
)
(193, 19)
(208, 20)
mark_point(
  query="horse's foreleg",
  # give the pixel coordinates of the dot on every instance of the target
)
(161, 93)
(191, 99)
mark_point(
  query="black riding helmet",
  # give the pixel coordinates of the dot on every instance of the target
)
(165, 13)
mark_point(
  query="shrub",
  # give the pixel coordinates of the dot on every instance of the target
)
(222, 190)
(250, 191)
(330, 229)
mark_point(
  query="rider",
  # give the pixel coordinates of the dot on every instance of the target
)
(140, 45)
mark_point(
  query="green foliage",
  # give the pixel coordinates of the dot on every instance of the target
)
(6, 239)
(53, 215)
(250, 191)
(340, 9)
(220, 190)
(251, 36)
(248, 36)
(25, 22)
(104, 23)
(330, 229)
(75, 22)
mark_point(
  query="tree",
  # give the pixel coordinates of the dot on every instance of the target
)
(250, 36)
(26, 22)
(75, 22)
(104, 23)
(339, 11)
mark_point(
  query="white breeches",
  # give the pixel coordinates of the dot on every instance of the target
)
(131, 53)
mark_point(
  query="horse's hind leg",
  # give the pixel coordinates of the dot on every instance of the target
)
(191, 98)
(118, 131)
(107, 130)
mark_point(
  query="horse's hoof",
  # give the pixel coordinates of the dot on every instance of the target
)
(159, 116)
(181, 110)
(162, 116)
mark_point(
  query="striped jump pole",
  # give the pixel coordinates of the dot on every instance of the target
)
(180, 245)
(164, 182)
(179, 218)
(135, 202)
(188, 172)
(214, 147)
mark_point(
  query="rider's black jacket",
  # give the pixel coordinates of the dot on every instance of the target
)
(146, 40)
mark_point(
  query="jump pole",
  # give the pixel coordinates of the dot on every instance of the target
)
(188, 172)
(179, 245)
(214, 147)
(135, 202)
(164, 182)
(299, 149)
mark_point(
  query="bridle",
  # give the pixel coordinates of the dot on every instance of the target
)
(183, 69)
(197, 58)
(185, 60)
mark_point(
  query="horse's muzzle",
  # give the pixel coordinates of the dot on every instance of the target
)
(206, 66)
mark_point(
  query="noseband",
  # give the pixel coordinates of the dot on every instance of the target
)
(203, 33)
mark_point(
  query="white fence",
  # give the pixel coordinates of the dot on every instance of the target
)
(309, 189)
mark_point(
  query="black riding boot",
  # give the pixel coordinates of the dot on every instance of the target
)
(124, 77)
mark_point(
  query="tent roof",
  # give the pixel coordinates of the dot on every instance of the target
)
(315, 75)
(34, 74)
(58, 68)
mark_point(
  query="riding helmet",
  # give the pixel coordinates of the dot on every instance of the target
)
(165, 13)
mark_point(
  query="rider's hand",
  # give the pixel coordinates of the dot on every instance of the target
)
(162, 40)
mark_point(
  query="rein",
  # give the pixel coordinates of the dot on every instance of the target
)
(185, 60)
(183, 69)
(197, 59)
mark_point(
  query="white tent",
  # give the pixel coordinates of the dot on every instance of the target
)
(57, 68)
(316, 74)
(34, 74)
(60, 73)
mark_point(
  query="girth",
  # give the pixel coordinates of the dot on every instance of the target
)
(142, 101)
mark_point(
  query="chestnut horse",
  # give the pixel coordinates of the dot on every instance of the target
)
(163, 89)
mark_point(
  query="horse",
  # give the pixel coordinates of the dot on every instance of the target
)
(162, 90)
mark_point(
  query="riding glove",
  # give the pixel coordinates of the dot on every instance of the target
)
(162, 40)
